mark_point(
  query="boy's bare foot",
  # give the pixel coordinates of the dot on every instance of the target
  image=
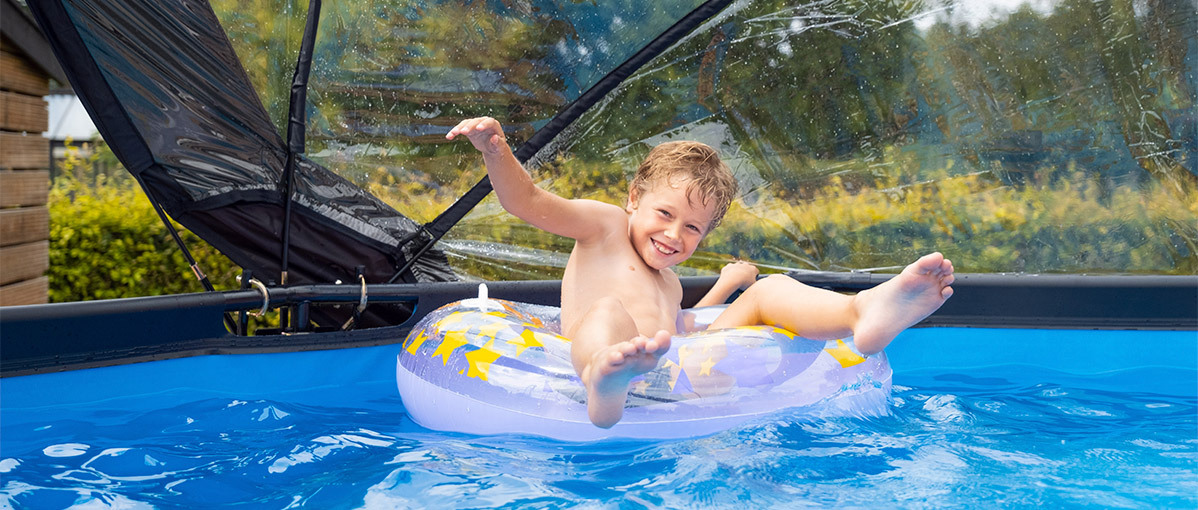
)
(607, 376)
(886, 310)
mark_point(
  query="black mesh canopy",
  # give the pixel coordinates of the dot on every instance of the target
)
(169, 95)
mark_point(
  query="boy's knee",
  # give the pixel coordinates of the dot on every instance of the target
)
(606, 306)
(777, 278)
(764, 288)
(772, 283)
(772, 287)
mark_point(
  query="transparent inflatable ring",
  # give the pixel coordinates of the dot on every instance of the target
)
(485, 366)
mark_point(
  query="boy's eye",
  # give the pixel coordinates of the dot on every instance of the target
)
(664, 212)
(694, 229)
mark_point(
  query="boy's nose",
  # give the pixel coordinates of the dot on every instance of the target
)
(672, 231)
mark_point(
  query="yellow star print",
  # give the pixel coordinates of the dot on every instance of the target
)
(480, 361)
(453, 340)
(684, 352)
(527, 338)
(784, 332)
(844, 354)
(674, 374)
(640, 387)
(416, 342)
(705, 367)
(451, 320)
(492, 329)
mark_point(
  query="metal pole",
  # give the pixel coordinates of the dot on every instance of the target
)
(296, 124)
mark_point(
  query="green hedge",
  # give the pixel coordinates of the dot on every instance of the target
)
(106, 242)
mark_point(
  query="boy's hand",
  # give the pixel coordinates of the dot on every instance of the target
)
(733, 277)
(484, 132)
(740, 273)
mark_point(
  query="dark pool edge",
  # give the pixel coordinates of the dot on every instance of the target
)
(69, 336)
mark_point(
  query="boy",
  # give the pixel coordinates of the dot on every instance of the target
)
(620, 300)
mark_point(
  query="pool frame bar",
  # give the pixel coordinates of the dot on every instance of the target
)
(69, 336)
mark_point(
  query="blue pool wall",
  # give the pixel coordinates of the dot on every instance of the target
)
(1163, 362)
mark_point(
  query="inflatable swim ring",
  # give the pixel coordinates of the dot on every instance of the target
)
(483, 366)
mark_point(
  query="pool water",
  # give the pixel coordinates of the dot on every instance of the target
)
(284, 431)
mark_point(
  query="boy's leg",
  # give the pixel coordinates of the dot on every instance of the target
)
(779, 300)
(607, 352)
(874, 316)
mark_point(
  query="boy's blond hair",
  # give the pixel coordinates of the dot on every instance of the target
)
(696, 162)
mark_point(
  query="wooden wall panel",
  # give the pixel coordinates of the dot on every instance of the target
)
(19, 151)
(28, 292)
(19, 112)
(24, 179)
(18, 74)
(24, 224)
(24, 261)
(24, 188)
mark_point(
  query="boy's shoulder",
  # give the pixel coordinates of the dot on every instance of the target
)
(599, 211)
(598, 220)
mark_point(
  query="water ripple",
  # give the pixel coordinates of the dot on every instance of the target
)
(951, 441)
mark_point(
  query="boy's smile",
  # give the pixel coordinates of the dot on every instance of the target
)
(666, 225)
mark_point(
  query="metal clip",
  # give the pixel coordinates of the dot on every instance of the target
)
(265, 297)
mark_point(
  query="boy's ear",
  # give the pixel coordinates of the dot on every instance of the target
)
(633, 199)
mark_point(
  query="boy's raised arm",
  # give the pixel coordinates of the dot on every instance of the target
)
(577, 219)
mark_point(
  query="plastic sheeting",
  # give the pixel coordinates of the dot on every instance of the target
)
(391, 77)
(1047, 136)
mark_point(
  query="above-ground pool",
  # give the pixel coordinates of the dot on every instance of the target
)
(980, 417)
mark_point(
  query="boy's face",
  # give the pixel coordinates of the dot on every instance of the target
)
(664, 225)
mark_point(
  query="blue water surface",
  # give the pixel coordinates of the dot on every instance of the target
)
(1000, 423)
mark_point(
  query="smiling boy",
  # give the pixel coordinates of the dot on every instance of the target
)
(621, 302)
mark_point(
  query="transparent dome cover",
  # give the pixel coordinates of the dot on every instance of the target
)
(1041, 136)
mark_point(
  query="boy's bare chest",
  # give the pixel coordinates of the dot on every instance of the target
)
(652, 297)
